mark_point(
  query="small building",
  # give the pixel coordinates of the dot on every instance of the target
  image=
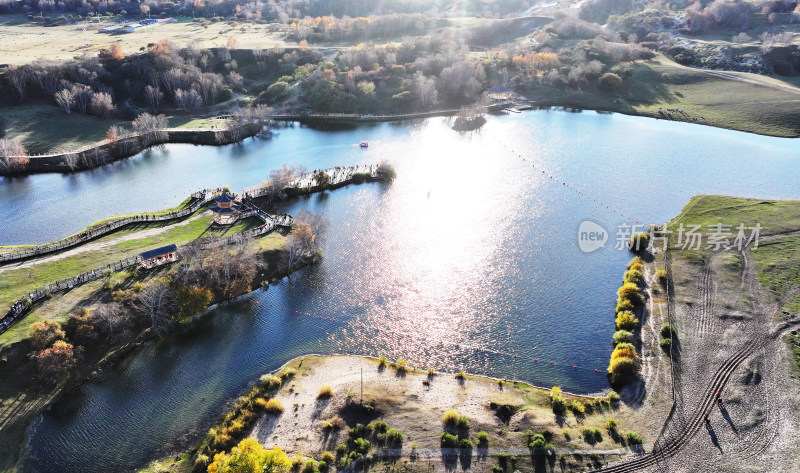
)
(159, 256)
(500, 93)
(226, 208)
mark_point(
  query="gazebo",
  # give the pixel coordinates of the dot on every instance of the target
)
(159, 256)
(226, 208)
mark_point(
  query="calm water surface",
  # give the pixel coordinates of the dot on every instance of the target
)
(471, 244)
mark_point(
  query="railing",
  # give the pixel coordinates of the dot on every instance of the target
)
(338, 175)
(21, 307)
(201, 198)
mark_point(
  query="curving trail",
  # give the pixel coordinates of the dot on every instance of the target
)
(761, 336)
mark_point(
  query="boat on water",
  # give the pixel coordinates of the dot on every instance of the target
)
(364, 144)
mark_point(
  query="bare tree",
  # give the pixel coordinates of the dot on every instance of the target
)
(12, 154)
(151, 128)
(188, 99)
(292, 252)
(18, 76)
(65, 99)
(82, 95)
(156, 302)
(71, 160)
(154, 96)
(102, 104)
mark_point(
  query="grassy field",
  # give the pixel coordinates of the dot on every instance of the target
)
(22, 42)
(17, 282)
(47, 128)
(777, 258)
(769, 107)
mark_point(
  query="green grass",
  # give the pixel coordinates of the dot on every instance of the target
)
(44, 128)
(775, 216)
(662, 83)
(122, 231)
(17, 282)
(777, 258)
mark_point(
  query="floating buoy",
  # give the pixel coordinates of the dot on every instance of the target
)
(575, 366)
(552, 362)
(536, 359)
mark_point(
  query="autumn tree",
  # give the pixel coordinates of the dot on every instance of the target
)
(250, 457)
(56, 362)
(44, 333)
(191, 300)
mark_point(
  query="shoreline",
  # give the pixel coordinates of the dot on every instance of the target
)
(411, 400)
(104, 153)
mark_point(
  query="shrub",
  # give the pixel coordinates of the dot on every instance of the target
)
(297, 463)
(461, 374)
(611, 425)
(431, 371)
(537, 442)
(633, 438)
(343, 463)
(310, 466)
(382, 362)
(334, 423)
(661, 274)
(273, 406)
(401, 365)
(630, 292)
(483, 438)
(609, 81)
(341, 449)
(622, 370)
(449, 440)
(577, 407)
(325, 392)
(270, 382)
(613, 397)
(622, 336)
(626, 321)
(639, 242)
(625, 346)
(360, 430)
(557, 401)
(326, 457)
(591, 435)
(666, 331)
(636, 266)
(633, 276)
(634, 261)
(287, 373)
(378, 426)
(323, 466)
(624, 305)
(666, 344)
(466, 444)
(394, 437)
(450, 417)
(463, 422)
(361, 445)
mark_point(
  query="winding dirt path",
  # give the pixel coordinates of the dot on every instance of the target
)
(761, 336)
(99, 244)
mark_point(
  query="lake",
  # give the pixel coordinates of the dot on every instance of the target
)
(468, 260)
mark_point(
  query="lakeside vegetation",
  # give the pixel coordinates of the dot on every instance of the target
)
(481, 419)
(629, 57)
